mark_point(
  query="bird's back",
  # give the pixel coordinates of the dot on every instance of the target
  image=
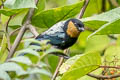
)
(55, 35)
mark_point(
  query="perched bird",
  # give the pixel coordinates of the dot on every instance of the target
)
(63, 34)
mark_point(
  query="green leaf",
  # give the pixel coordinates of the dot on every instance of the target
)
(3, 48)
(17, 4)
(18, 19)
(12, 67)
(51, 50)
(4, 19)
(29, 51)
(65, 66)
(101, 19)
(107, 16)
(94, 7)
(96, 72)
(50, 17)
(87, 78)
(94, 24)
(9, 12)
(4, 75)
(80, 45)
(112, 54)
(98, 43)
(109, 28)
(22, 59)
(40, 6)
(83, 65)
(40, 71)
(53, 62)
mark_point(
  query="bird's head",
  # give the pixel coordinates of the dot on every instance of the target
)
(74, 27)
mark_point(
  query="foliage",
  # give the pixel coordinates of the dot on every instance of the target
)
(98, 45)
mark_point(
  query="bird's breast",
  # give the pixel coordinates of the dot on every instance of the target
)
(72, 31)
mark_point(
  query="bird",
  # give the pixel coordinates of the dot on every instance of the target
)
(63, 34)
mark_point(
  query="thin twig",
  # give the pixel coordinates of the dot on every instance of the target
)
(117, 67)
(83, 9)
(21, 33)
(104, 77)
(11, 33)
(8, 37)
(61, 60)
(33, 30)
(114, 3)
(8, 23)
(16, 42)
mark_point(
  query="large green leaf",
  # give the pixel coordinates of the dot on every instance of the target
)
(94, 7)
(98, 43)
(18, 19)
(96, 72)
(22, 59)
(50, 17)
(12, 67)
(107, 16)
(40, 6)
(3, 48)
(94, 24)
(83, 65)
(101, 19)
(4, 75)
(40, 71)
(109, 28)
(80, 45)
(28, 51)
(17, 4)
(112, 54)
(9, 12)
(112, 27)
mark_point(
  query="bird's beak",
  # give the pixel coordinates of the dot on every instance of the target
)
(81, 29)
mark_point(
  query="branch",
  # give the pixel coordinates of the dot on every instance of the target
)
(114, 3)
(117, 67)
(8, 37)
(21, 33)
(33, 30)
(11, 33)
(61, 60)
(83, 9)
(8, 23)
(104, 77)
(16, 42)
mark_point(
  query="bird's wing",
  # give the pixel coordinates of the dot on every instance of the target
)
(55, 34)
(57, 28)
